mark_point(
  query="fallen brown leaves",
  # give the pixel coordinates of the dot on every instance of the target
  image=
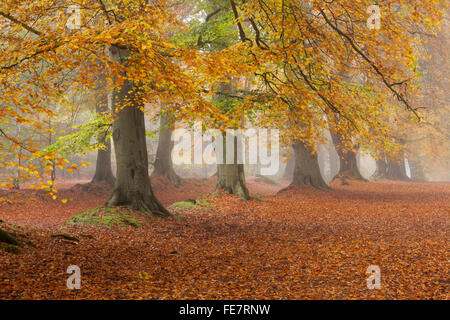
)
(300, 244)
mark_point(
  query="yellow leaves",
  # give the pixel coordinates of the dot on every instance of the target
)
(271, 80)
(49, 156)
(144, 276)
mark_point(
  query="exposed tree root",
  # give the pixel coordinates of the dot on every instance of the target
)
(8, 238)
(92, 187)
(307, 182)
(66, 237)
(146, 203)
(169, 176)
(346, 176)
(235, 187)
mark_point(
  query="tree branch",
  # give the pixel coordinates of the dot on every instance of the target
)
(374, 67)
(25, 26)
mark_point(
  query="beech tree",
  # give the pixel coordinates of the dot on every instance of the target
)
(163, 165)
(396, 170)
(301, 63)
(122, 42)
(380, 170)
(348, 166)
(307, 170)
(216, 33)
(310, 64)
(103, 170)
(132, 187)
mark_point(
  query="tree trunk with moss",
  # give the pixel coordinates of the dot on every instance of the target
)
(230, 176)
(132, 187)
(163, 165)
(306, 168)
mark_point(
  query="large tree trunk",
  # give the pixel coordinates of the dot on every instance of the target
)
(381, 170)
(163, 165)
(306, 169)
(348, 166)
(103, 171)
(322, 155)
(231, 177)
(132, 187)
(417, 173)
(334, 161)
(396, 170)
(289, 169)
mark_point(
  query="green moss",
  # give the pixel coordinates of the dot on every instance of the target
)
(182, 204)
(106, 216)
(30, 243)
(10, 248)
(217, 194)
(199, 203)
(204, 203)
(258, 199)
(177, 218)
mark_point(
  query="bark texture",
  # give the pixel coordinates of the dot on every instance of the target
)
(381, 170)
(289, 169)
(306, 169)
(396, 170)
(163, 165)
(334, 161)
(231, 177)
(103, 171)
(417, 172)
(348, 165)
(132, 187)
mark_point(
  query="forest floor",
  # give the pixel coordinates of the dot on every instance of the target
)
(298, 244)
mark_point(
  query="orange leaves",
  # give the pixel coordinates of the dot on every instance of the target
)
(301, 244)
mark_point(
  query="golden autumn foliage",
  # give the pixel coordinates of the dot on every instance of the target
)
(76, 76)
(294, 64)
